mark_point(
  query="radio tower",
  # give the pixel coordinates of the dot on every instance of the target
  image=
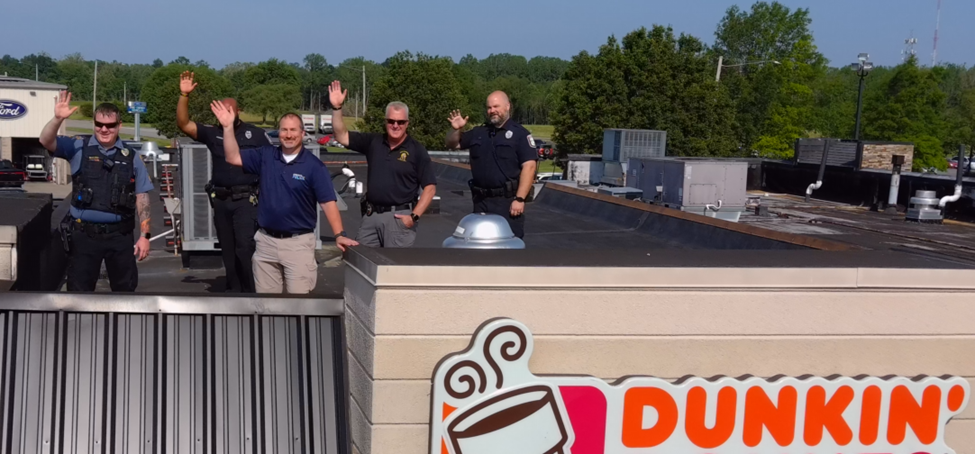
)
(909, 44)
(934, 59)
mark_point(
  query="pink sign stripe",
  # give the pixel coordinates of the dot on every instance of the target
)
(586, 406)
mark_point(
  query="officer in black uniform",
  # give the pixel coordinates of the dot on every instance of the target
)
(110, 188)
(503, 161)
(233, 193)
(399, 167)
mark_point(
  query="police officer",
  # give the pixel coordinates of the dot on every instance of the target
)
(503, 161)
(233, 193)
(110, 188)
(398, 167)
(293, 181)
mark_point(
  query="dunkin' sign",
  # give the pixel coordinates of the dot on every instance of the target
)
(486, 401)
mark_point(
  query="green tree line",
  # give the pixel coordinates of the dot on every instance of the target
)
(775, 87)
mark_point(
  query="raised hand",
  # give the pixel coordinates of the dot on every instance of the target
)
(186, 84)
(457, 121)
(63, 109)
(336, 96)
(224, 115)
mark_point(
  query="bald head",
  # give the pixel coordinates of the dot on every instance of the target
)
(498, 108)
(231, 104)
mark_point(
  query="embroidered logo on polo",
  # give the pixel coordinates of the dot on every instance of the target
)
(403, 154)
(298, 176)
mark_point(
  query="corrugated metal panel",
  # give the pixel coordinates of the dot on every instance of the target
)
(165, 383)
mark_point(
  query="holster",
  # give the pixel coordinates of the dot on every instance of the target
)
(64, 228)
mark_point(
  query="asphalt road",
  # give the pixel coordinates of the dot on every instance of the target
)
(86, 124)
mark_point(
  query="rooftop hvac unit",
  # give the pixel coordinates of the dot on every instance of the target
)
(619, 145)
(198, 231)
(710, 187)
(622, 193)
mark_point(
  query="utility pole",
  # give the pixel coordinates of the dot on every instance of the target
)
(125, 93)
(94, 90)
(363, 90)
(36, 73)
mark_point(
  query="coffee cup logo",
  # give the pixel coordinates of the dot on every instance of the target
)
(487, 401)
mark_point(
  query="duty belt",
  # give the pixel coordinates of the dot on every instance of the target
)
(508, 191)
(91, 228)
(369, 208)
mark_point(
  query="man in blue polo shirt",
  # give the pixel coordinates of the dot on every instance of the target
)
(293, 181)
(109, 186)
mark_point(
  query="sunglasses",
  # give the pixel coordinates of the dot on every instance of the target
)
(100, 125)
(390, 121)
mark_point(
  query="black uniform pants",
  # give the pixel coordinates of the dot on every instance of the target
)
(236, 223)
(86, 256)
(501, 206)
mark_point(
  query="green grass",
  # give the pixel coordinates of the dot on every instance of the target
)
(543, 132)
(547, 166)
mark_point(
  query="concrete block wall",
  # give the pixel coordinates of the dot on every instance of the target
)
(402, 320)
(878, 156)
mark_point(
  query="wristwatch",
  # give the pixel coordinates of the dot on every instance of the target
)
(147, 235)
(520, 199)
(415, 217)
(342, 233)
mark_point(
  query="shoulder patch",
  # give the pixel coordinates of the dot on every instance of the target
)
(247, 134)
(531, 141)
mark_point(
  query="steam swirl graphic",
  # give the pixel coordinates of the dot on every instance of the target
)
(468, 378)
(506, 348)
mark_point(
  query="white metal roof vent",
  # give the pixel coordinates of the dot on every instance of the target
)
(483, 231)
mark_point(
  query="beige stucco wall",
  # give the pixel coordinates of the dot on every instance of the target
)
(402, 320)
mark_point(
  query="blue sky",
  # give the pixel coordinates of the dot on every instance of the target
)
(224, 31)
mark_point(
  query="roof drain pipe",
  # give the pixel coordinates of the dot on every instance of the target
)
(822, 172)
(958, 177)
(713, 207)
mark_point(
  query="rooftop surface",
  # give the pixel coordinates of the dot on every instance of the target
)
(16, 82)
(573, 227)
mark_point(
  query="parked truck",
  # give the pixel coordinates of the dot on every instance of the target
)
(325, 127)
(308, 120)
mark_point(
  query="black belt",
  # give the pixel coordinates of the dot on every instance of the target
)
(91, 228)
(507, 191)
(386, 209)
(279, 234)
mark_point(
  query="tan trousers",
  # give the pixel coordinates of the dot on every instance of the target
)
(285, 265)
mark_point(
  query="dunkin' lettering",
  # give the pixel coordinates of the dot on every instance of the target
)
(485, 400)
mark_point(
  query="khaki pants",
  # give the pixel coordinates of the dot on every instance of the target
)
(285, 265)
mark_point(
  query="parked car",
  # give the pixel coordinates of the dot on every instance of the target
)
(325, 140)
(953, 163)
(11, 176)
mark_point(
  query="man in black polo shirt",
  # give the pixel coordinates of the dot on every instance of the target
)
(503, 161)
(398, 167)
(233, 193)
(293, 181)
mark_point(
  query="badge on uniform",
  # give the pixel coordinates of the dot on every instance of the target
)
(403, 154)
(125, 152)
(247, 134)
(508, 134)
(531, 141)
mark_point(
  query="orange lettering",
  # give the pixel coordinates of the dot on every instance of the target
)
(827, 415)
(760, 411)
(905, 411)
(724, 422)
(870, 415)
(635, 400)
(956, 397)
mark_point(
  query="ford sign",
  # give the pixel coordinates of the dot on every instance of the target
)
(11, 110)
